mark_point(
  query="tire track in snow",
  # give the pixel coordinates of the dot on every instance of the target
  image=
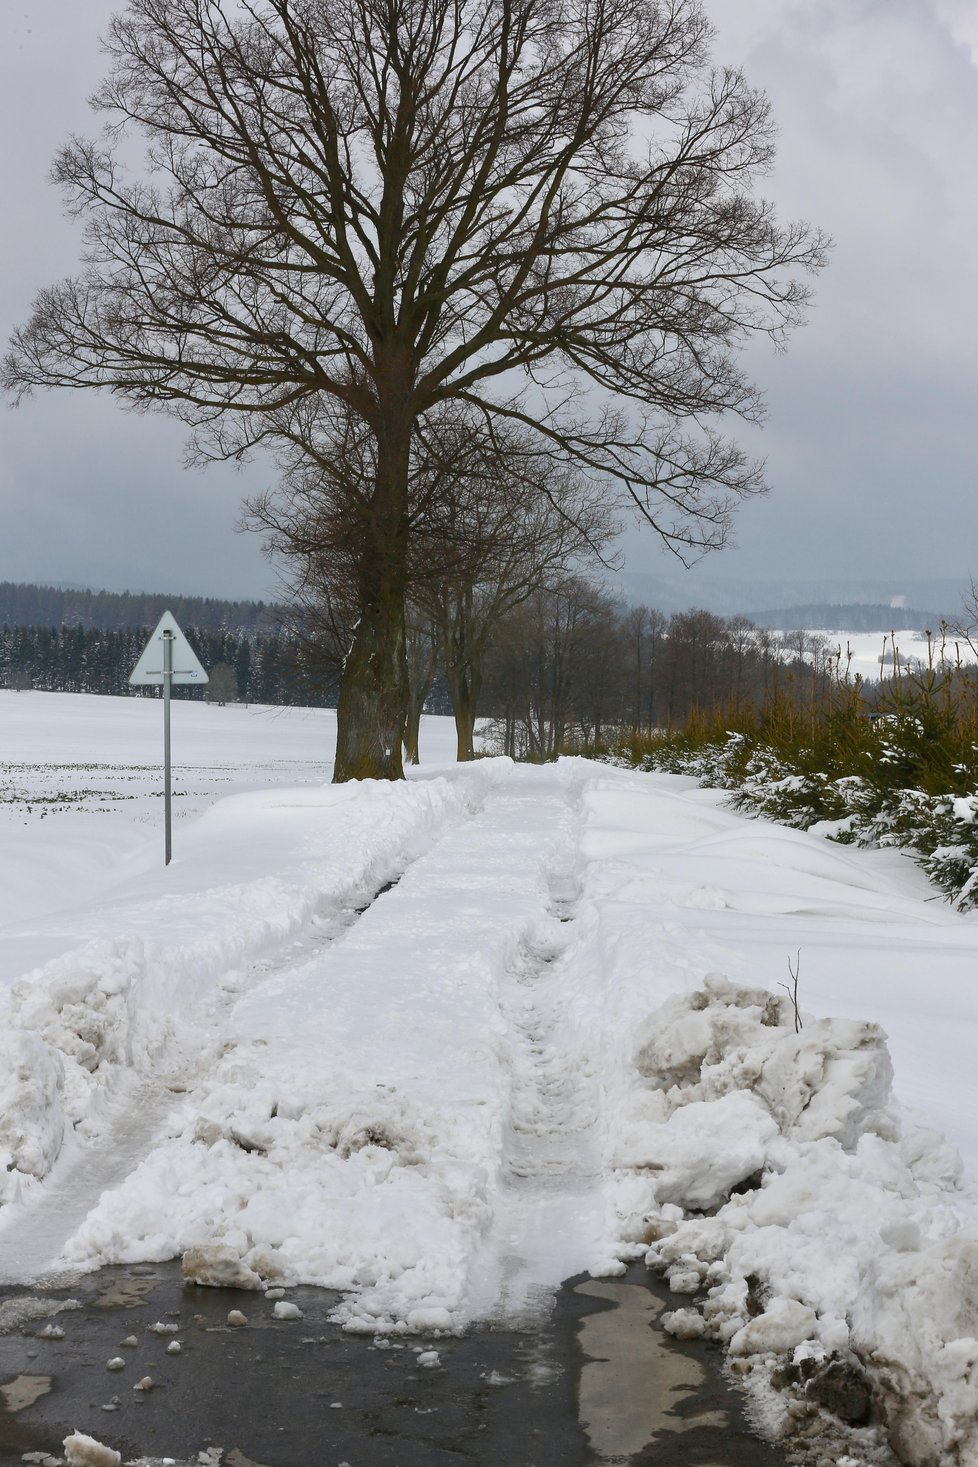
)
(549, 1220)
(33, 1237)
(132, 1112)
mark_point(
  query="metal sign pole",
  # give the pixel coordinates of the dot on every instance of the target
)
(178, 665)
(167, 680)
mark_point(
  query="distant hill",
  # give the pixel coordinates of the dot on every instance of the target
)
(120, 611)
(860, 617)
(703, 587)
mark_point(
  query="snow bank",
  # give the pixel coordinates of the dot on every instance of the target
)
(144, 993)
(781, 1190)
(351, 1133)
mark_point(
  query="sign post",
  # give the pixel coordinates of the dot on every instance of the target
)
(166, 659)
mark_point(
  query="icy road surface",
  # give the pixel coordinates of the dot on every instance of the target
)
(442, 1044)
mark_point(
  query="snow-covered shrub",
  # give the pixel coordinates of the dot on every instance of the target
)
(939, 829)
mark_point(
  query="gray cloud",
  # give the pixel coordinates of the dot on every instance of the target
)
(870, 429)
(870, 432)
(89, 493)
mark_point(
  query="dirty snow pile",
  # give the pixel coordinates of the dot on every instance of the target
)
(788, 1197)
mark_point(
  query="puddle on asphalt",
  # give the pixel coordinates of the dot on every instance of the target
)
(631, 1379)
(646, 1398)
(597, 1382)
(24, 1390)
(126, 1293)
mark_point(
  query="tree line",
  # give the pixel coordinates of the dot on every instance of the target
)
(29, 605)
(572, 669)
(257, 668)
(558, 665)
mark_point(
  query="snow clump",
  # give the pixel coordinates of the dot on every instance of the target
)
(217, 1268)
(85, 1451)
(32, 1121)
(821, 1240)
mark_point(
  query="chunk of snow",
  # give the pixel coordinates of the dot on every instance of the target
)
(425, 1320)
(284, 1309)
(784, 1324)
(704, 1149)
(85, 1451)
(217, 1268)
(32, 1120)
(684, 1324)
(684, 1280)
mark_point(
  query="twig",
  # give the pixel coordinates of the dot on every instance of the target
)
(792, 992)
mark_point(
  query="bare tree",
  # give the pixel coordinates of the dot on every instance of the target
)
(546, 685)
(490, 521)
(965, 627)
(421, 646)
(547, 212)
(514, 525)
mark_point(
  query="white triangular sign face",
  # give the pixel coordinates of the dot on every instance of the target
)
(186, 667)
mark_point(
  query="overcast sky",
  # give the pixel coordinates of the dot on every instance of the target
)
(872, 412)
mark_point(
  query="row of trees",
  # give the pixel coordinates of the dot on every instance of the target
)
(552, 666)
(27, 605)
(373, 234)
(256, 669)
(572, 669)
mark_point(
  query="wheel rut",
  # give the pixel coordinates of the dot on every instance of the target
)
(549, 1218)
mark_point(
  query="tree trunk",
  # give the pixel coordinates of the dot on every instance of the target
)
(422, 665)
(464, 684)
(412, 729)
(371, 711)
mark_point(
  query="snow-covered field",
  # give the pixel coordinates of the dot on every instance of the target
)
(870, 654)
(442, 1044)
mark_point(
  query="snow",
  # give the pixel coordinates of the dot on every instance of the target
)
(861, 652)
(442, 1044)
(85, 1451)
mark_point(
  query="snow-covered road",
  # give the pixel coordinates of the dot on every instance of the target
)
(442, 1044)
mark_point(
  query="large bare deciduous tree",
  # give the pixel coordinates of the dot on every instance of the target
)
(546, 210)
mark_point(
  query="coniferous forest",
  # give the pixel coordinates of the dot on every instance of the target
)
(54, 640)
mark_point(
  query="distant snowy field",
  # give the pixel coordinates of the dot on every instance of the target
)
(868, 648)
(439, 1045)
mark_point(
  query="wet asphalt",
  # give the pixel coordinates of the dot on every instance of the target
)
(596, 1382)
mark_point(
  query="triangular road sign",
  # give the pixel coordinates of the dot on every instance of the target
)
(186, 667)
